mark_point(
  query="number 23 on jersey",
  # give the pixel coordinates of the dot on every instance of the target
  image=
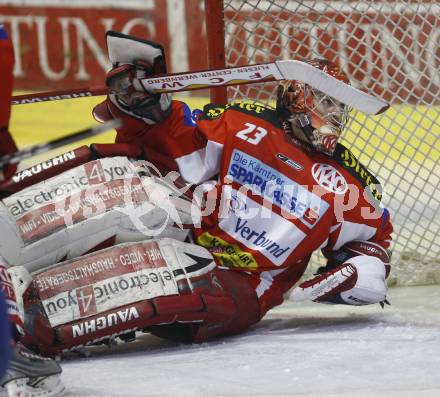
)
(252, 133)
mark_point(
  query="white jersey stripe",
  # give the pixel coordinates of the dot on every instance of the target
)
(202, 164)
(266, 280)
(353, 231)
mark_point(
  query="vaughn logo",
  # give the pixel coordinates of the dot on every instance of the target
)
(289, 162)
(103, 322)
(45, 165)
(329, 178)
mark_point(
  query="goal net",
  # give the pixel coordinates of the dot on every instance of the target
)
(387, 48)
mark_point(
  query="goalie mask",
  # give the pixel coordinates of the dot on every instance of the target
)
(311, 116)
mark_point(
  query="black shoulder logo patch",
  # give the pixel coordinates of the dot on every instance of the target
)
(213, 111)
(347, 159)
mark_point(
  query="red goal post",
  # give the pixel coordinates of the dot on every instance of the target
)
(389, 48)
(215, 36)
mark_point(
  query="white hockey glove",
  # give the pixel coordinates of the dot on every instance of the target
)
(134, 59)
(359, 280)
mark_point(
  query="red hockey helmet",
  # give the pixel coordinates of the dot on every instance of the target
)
(310, 115)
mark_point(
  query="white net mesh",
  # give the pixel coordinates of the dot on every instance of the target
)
(389, 49)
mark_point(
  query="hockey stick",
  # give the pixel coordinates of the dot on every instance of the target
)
(264, 72)
(16, 157)
(58, 95)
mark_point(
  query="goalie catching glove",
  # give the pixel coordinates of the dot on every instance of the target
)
(123, 80)
(356, 275)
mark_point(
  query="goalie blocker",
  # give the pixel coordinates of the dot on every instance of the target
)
(164, 286)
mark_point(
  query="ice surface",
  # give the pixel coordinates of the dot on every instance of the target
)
(299, 349)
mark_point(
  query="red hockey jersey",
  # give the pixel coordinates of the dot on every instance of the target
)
(275, 203)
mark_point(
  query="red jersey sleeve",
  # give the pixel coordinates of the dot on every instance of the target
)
(194, 145)
(361, 216)
(378, 231)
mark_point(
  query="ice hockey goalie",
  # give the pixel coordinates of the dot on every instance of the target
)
(105, 245)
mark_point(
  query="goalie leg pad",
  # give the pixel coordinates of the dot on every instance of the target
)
(100, 202)
(66, 161)
(133, 287)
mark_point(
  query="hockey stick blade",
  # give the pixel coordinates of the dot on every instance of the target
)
(351, 96)
(259, 73)
(16, 157)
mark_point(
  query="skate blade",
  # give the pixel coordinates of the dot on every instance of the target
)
(50, 386)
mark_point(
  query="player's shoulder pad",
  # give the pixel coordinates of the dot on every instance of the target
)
(215, 111)
(348, 161)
